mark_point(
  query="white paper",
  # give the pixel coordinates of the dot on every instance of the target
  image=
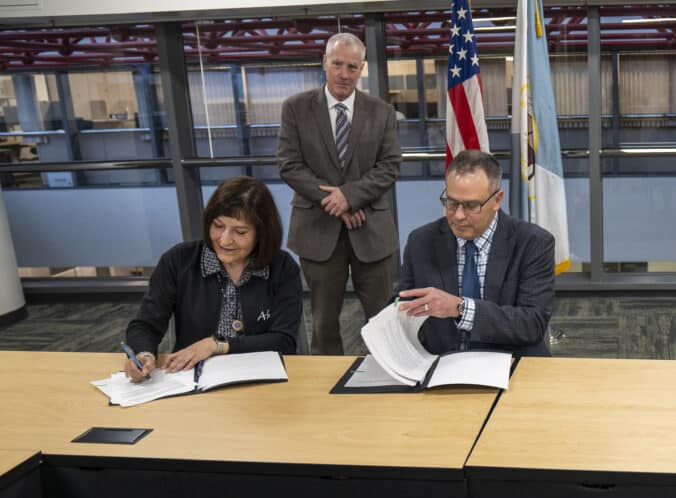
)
(244, 367)
(483, 368)
(103, 385)
(161, 384)
(371, 374)
(392, 338)
(217, 370)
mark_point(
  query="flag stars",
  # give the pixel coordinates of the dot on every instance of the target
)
(450, 49)
(468, 37)
(475, 60)
(455, 31)
(462, 54)
(455, 71)
(461, 13)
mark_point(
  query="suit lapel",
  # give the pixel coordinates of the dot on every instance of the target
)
(502, 248)
(320, 111)
(445, 248)
(359, 116)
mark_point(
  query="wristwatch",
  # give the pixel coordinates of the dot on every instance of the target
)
(461, 309)
(220, 345)
(145, 354)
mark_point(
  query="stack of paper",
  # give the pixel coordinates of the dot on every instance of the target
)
(265, 366)
(392, 338)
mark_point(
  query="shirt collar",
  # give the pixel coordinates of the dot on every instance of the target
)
(210, 265)
(483, 240)
(332, 101)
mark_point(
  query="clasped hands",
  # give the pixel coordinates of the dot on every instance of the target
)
(335, 204)
(429, 301)
(184, 359)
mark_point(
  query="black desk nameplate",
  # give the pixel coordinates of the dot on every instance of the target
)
(111, 435)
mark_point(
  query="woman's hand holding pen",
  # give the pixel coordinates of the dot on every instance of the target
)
(133, 372)
(187, 358)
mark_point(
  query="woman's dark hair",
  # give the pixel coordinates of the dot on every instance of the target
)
(248, 199)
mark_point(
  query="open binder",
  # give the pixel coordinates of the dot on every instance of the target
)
(216, 371)
(399, 362)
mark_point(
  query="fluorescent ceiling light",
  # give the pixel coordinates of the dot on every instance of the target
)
(648, 150)
(638, 21)
(491, 19)
(495, 28)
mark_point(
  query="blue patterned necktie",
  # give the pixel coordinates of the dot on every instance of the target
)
(470, 285)
(342, 132)
(470, 275)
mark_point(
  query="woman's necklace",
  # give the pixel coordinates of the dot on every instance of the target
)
(236, 325)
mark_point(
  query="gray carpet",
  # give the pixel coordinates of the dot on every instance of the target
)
(615, 327)
(608, 327)
(100, 327)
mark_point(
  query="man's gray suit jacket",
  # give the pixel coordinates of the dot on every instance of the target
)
(519, 287)
(307, 158)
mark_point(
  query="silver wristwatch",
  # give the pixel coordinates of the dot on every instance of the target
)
(461, 309)
(220, 345)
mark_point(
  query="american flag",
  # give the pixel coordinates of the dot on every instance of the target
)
(465, 122)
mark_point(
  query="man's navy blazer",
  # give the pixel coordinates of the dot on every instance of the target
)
(519, 287)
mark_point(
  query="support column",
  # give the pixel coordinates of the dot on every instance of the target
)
(376, 55)
(12, 303)
(27, 102)
(148, 107)
(615, 64)
(181, 129)
(595, 171)
(422, 110)
(240, 113)
(68, 117)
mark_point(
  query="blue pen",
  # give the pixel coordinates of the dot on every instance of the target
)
(198, 370)
(131, 355)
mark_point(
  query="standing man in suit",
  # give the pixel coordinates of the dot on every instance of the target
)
(485, 279)
(339, 151)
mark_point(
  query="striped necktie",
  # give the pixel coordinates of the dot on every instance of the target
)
(342, 132)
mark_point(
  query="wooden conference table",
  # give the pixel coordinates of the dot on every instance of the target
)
(580, 427)
(282, 439)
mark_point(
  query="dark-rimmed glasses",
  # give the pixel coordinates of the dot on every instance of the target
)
(471, 207)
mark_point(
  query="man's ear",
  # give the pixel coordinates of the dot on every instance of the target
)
(498, 200)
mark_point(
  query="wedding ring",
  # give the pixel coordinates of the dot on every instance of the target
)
(427, 307)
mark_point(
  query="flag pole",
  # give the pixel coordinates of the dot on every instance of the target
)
(515, 182)
(518, 198)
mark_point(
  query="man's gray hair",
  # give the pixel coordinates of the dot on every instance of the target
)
(468, 161)
(347, 39)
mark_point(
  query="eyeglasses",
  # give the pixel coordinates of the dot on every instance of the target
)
(471, 207)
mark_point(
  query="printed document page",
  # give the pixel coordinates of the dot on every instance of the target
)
(483, 368)
(103, 385)
(216, 371)
(243, 367)
(371, 374)
(392, 338)
(161, 384)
